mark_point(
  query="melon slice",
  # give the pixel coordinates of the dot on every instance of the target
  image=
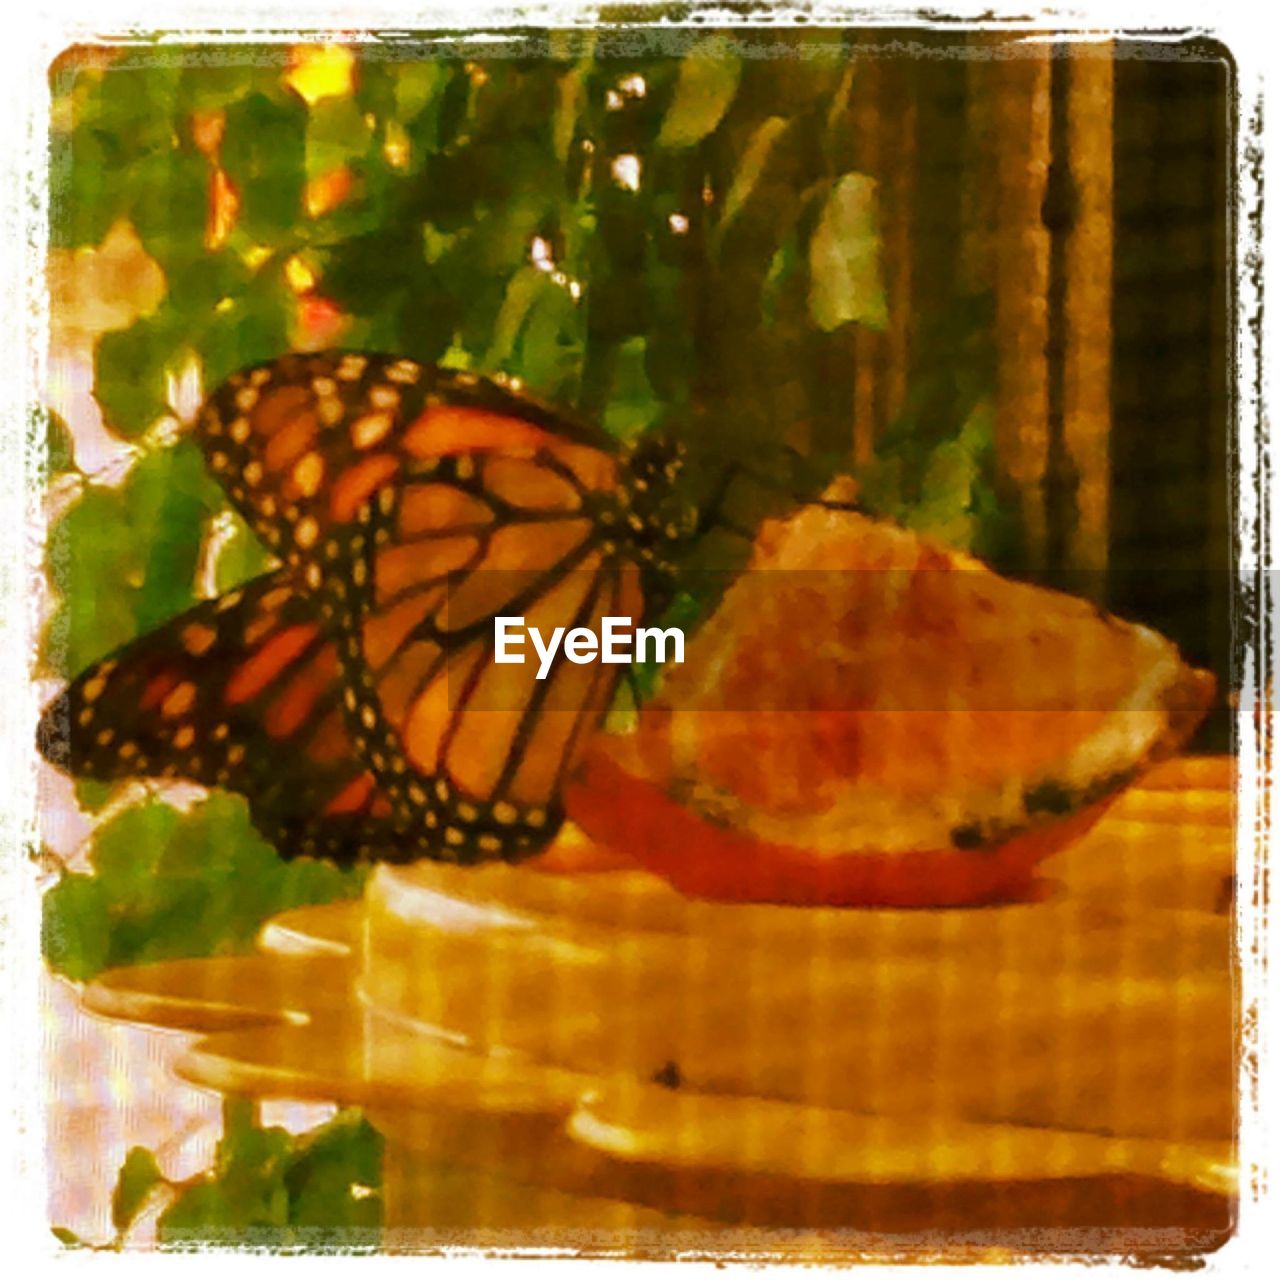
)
(872, 717)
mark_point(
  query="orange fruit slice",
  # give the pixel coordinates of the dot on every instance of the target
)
(870, 717)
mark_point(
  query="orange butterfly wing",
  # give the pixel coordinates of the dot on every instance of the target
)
(302, 443)
(243, 692)
(464, 746)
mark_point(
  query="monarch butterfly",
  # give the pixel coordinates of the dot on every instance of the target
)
(349, 693)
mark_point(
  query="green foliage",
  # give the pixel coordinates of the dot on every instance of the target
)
(266, 1187)
(265, 155)
(130, 382)
(935, 465)
(123, 560)
(750, 168)
(90, 557)
(59, 450)
(945, 490)
(707, 81)
(242, 556)
(250, 325)
(168, 884)
(75, 928)
(745, 249)
(107, 167)
(92, 794)
(844, 256)
(273, 1190)
(633, 408)
(139, 1176)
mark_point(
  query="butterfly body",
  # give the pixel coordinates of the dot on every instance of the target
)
(350, 693)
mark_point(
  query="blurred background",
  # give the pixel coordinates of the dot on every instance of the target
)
(989, 276)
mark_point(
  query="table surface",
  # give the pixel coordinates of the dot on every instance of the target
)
(1128, 952)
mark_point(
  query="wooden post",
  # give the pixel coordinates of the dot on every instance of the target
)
(1022, 113)
(1087, 357)
(868, 346)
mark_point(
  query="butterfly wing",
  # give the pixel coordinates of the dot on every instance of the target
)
(242, 692)
(472, 749)
(302, 442)
(352, 695)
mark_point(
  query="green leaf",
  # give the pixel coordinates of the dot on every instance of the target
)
(264, 154)
(92, 795)
(241, 558)
(946, 495)
(254, 327)
(91, 557)
(523, 289)
(171, 195)
(170, 884)
(754, 158)
(273, 1189)
(571, 98)
(219, 77)
(59, 447)
(429, 126)
(130, 367)
(75, 934)
(199, 282)
(127, 849)
(337, 133)
(844, 258)
(416, 86)
(705, 87)
(435, 244)
(169, 497)
(139, 1175)
(334, 1180)
(124, 122)
(244, 1190)
(778, 287)
(953, 498)
(135, 105)
(632, 406)
(551, 346)
(64, 1235)
(840, 134)
(123, 560)
(83, 201)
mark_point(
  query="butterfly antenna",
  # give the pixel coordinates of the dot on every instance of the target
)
(713, 515)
